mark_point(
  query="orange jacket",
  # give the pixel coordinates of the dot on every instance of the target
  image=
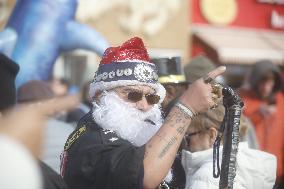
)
(269, 130)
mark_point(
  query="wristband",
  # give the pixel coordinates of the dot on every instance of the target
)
(187, 111)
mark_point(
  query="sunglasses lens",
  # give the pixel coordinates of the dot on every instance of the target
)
(134, 96)
(187, 140)
(152, 99)
(137, 96)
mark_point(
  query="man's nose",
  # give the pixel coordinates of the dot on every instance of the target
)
(143, 105)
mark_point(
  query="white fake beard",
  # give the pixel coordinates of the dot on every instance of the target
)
(128, 122)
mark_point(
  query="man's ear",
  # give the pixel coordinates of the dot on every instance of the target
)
(97, 97)
(213, 135)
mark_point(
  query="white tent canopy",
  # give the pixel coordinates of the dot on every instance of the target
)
(241, 45)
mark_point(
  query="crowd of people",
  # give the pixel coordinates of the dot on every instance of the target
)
(141, 123)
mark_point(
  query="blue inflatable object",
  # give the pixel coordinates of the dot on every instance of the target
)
(39, 30)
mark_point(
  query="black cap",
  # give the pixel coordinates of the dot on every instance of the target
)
(169, 70)
(8, 73)
(260, 69)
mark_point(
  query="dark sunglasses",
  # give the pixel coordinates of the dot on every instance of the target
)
(136, 96)
(188, 136)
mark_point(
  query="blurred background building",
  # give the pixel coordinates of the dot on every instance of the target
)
(236, 33)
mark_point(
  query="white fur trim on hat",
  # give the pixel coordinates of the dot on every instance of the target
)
(100, 86)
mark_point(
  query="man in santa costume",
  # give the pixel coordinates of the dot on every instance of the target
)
(124, 143)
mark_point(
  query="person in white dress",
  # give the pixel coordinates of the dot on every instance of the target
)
(255, 169)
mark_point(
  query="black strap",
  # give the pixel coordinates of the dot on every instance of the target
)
(216, 148)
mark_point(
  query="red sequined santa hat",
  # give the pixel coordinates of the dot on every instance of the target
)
(128, 64)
